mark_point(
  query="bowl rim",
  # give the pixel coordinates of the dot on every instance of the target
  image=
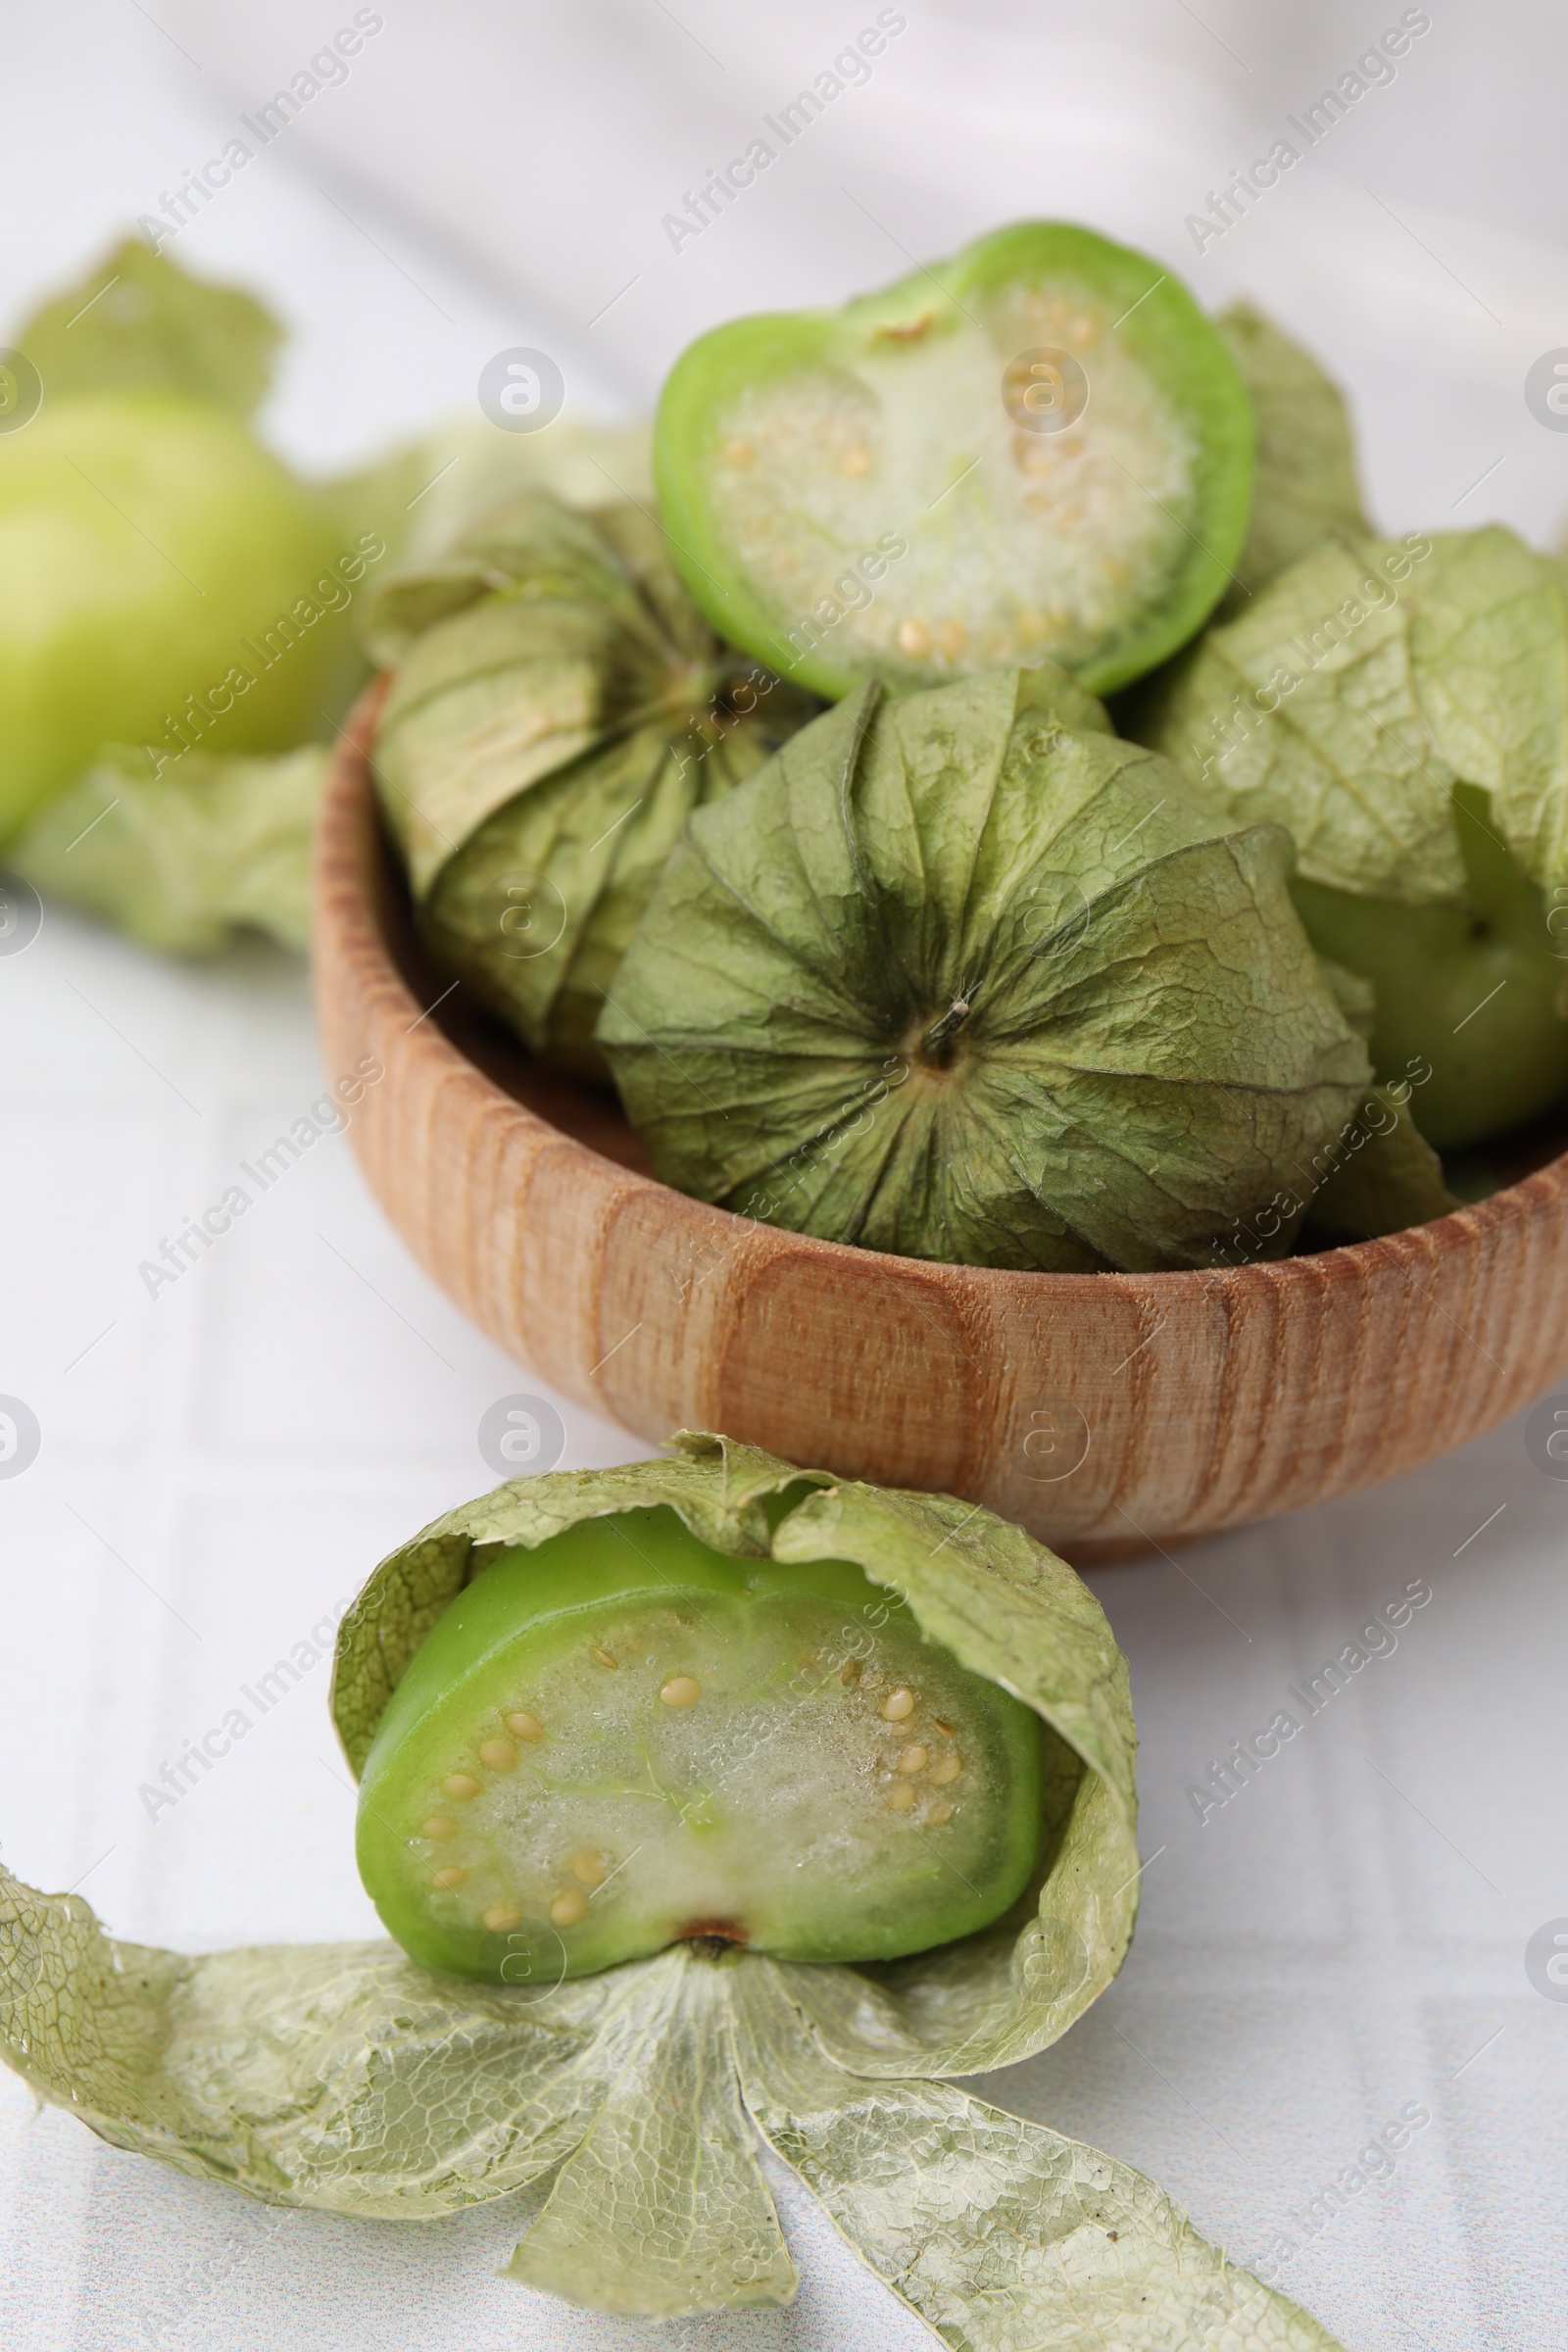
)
(1279, 1382)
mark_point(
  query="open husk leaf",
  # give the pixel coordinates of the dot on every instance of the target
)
(347, 2079)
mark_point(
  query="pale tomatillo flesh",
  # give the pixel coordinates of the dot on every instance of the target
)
(621, 1739)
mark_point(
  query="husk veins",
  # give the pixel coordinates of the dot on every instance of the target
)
(347, 2078)
(950, 980)
(559, 708)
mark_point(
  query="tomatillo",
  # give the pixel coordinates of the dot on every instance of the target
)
(621, 1739)
(152, 558)
(559, 708)
(1039, 449)
(1402, 707)
(1471, 1002)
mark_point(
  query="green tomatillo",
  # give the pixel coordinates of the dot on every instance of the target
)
(1403, 708)
(177, 613)
(952, 979)
(152, 558)
(620, 1739)
(165, 583)
(353, 2079)
(1039, 449)
(558, 706)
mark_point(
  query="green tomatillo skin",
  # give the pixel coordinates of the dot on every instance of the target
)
(144, 537)
(621, 1739)
(1039, 449)
(1471, 1002)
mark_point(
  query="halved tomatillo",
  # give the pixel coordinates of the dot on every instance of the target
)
(1040, 448)
(620, 1739)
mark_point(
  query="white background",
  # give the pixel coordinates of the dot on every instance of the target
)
(221, 1466)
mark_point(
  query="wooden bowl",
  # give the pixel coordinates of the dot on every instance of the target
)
(1106, 1412)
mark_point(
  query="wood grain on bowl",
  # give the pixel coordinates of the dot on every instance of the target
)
(1106, 1412)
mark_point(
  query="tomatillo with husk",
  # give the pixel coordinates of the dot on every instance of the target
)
(952, 980)
(558, 708)
(1403, 705)
(352, 2078)
(157, 570)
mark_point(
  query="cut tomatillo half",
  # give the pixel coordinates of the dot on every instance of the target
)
(620, 1740)
(1040, 448)
(718, 1701)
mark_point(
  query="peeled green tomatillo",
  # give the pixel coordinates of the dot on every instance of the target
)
(621, 1739)
(150, 550)
(1039, 449)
